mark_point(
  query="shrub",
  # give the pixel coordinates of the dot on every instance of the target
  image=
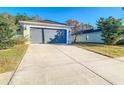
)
(5, 45)
(19, 40)
(7, 31)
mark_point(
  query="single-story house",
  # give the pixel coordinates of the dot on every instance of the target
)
(46, 31)
(92, 35)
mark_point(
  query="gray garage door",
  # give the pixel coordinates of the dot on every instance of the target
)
(54, 36)
(39, 35)
(36, 35)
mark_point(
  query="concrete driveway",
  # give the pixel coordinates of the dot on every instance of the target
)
(66, 64)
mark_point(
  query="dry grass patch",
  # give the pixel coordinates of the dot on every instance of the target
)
(10, 58)
(108, 50)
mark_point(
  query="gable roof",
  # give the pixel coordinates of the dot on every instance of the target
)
(50, 21)
(44, 23)
(86, 31)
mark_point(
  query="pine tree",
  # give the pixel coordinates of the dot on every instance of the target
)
(112, 29)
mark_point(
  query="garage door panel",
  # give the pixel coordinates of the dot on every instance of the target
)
(43, 35)
(55, 36)
(36, 35)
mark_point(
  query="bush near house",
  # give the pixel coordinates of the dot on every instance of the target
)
(112, 29)
(9, 28)
(8, 44)
(19, 40)
(12, 48)
(7, 31)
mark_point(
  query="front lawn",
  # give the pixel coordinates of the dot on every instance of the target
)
(10, 58)
(107, 50)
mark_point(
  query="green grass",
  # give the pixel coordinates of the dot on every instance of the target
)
(10, 58)
(107, 50)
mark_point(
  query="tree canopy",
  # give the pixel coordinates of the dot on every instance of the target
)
(112, 29)
(7, 29)
(84, 26)
(21, 17)
(75, 28)
(75, 24)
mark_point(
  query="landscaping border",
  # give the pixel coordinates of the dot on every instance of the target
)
(16, 68)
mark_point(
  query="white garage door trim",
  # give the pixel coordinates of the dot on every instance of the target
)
(42, 35)
(27, 25)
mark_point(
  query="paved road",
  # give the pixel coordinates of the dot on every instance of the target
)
(66, 64)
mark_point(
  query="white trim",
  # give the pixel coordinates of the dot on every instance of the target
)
(28, 26)
(67, 37)
(43, 24)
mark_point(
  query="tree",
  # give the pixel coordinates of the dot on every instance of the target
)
(35, 17)
(21, 17)
(86, 26)
(112, 29)
(7, 30)
(75, 28)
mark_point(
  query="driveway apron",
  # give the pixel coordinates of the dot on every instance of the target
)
(49, 64)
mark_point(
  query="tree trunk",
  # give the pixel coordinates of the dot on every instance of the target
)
(75, 38)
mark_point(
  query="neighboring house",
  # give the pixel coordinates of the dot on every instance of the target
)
(93, 35)
(46, 31)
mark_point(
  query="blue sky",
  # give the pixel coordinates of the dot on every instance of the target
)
(61, 14)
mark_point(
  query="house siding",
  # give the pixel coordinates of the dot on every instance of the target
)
(89, 37)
